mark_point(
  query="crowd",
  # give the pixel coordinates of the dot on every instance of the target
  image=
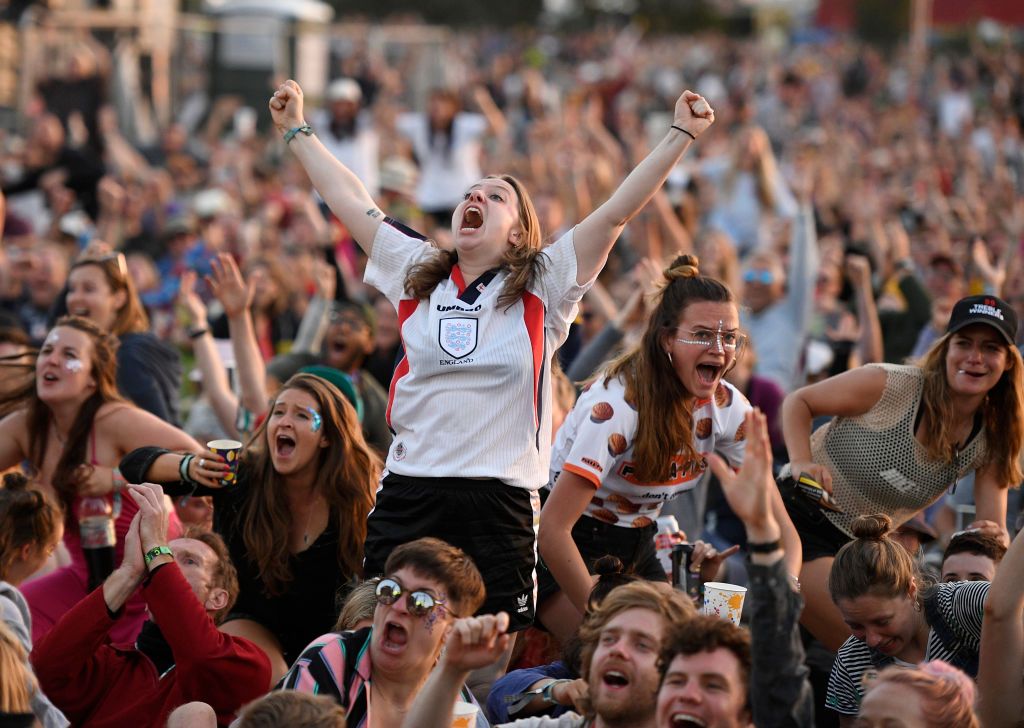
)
(481, 355)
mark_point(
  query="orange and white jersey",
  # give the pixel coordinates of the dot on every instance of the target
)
(596, 443)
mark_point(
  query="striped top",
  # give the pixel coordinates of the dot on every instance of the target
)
(959, 605)
(338, 664)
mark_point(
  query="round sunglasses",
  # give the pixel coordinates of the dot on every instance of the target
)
(419, 603)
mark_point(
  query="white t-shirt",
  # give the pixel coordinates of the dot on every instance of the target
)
(471, 397)
(446, 170)
(596, 443)
(359, 152)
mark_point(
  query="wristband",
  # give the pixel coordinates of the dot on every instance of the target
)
(290, 134)
(689, 134)
(196, 333)
(183, 469)
(548, 692)
(155, 552)
(764, 548)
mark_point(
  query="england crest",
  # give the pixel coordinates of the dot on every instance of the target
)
(457, 336)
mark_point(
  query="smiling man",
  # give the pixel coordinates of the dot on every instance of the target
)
(621, 642)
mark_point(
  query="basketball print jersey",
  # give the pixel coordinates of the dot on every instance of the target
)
(471, 395)
(596, 443)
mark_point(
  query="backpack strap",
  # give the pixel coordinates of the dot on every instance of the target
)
(963, 657)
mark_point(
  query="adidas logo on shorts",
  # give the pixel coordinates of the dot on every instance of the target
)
(523, 603)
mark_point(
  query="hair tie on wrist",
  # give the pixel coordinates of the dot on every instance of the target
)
(689, 134)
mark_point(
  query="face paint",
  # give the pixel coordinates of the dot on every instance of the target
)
(317, 422)
(73, 365)
(53, 338)
(435, 614)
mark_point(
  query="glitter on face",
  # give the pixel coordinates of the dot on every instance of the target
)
(435, 614)
(317, 422)
(73, 365)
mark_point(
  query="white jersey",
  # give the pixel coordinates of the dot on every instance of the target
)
(596, 443)
(471, 396)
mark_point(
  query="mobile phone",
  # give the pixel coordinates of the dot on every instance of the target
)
(811, 488)
(682, 578)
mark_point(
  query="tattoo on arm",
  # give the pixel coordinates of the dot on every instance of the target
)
(374, 212)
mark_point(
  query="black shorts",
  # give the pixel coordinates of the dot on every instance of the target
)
(819, 537)
(594, 538)
(492, 522)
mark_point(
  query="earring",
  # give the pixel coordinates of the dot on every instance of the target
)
(668, 353)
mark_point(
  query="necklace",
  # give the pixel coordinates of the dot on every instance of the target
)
(309, 519)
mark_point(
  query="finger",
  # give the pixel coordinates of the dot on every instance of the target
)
(723, 555)
(825, 478)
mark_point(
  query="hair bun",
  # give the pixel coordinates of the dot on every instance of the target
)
(872, 528)
(15, 482)
(684, 266)
(609, 565)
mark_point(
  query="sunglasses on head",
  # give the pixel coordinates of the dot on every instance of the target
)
(117, 258)
(420, 603)
(765, 277)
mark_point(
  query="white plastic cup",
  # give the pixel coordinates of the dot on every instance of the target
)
(464, 715)
(724, 600)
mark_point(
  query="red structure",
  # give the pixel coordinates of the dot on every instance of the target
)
(839, 14)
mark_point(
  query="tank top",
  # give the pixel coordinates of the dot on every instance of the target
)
(877, 464)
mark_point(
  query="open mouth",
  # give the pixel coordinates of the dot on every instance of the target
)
(974, 375)
(395, 636)
(49, 377)
(472, 218)
(79, 311)
(708, 373)
(285, 445)
(685, 720)
(615, 679)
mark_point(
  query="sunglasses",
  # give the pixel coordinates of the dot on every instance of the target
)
(117, 258)
(419, 603)
(765, 277)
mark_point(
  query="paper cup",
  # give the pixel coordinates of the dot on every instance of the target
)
(724, 600)
(464, 715)
(229, 450)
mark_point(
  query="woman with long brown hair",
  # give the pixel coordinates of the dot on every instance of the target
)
(638, 436)
(295, 518)
(69, 429)
(901, 436)
(148, 369)
(470, 401)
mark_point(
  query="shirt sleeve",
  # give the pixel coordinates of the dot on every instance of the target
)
(606, 426)
(844, 694)
(964, 609)
(395, 250)
(556, 282)
(732, 443)
(320, 669)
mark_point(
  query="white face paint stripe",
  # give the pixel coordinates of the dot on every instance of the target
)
(73, 365)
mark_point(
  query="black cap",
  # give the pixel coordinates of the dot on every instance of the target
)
(990, 310)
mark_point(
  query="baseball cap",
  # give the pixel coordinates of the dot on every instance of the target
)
(990, 310)
(344, 89)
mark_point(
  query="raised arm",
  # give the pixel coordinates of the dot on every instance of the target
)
(1000, 698)
(341, 189)
(236, 297)
(780, 692)
(596, 234)
(215, 378)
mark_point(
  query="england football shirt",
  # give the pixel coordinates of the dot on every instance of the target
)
(471, 395)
